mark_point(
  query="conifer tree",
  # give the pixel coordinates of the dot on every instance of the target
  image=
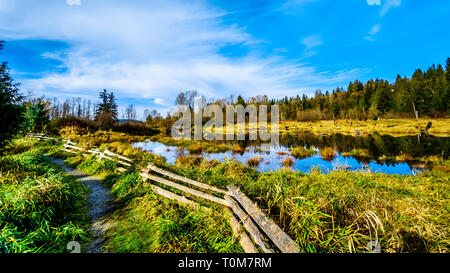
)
(113, 108)
(107, 110)
(11, 112)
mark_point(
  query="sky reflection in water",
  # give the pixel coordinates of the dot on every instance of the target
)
(271, 160)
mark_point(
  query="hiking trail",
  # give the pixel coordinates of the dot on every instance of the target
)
(100, 204)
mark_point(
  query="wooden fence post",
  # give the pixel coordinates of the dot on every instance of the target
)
(272, 230)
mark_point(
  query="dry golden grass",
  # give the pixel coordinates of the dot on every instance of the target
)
(189, 161)
(395, 127)
(327, 153)
(288, 162)
(404, 157)
(237, 149)
(254, 161)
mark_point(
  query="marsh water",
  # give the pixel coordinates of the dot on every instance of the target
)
(382, 151)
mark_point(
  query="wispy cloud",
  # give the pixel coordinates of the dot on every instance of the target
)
(153, 50)
(311, 42)
(375, 29)
(373, 2)
(294, 6)
(161, 102)
(73, 2)
(388, 5)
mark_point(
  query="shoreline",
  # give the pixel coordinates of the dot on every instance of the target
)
(393, 127)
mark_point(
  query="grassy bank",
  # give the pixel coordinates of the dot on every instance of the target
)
(146, 222)
(341, 211)
(41, 208)
(393, 127)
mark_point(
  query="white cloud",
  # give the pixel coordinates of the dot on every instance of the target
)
(161, 102)
(373, 32)
(312, 41)
(73, 2)
(374, 2)
(369, 38)
(389, 5)
(294, 4)
(154, 50)
(375, 29)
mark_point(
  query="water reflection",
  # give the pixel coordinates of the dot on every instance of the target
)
(377, 146)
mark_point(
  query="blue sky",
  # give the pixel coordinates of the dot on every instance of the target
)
(148, 51)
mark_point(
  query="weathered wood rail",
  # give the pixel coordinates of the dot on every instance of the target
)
(249, 223)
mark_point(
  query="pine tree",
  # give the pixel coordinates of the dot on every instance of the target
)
(447, 67)
(367, 96)
(438, 102)
(113, 108)
(103, 105)
(37, 115)
(241, 101)
(417, 89)
(383, 97)
(402, 96)
(107, 110)
(11, 113)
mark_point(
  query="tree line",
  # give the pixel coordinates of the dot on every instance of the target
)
(425, 93)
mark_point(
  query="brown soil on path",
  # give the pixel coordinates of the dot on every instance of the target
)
(100, 204)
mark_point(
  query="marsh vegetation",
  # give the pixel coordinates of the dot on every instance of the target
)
(338, 211)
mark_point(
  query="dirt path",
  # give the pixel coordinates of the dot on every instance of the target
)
(100, 203)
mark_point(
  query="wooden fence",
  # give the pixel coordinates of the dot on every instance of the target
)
(249, 223)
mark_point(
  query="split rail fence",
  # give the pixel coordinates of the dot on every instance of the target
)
(249, 223)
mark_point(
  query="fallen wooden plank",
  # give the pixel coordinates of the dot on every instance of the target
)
(118, 156)
(179, 198)
(240, 234)
(252, 229)
(122, 170)
(124, 163)
(185, 179)
(272, 230)
(73, 147)
(103, 156)
(186, 189)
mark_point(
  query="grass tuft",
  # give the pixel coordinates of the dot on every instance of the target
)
(328, 153)
(302, 152)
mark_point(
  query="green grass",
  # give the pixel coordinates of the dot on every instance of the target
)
(147, 222)
(341, 211)
(41, 208)
(301, 152)
(358, 154)
(152, 224)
